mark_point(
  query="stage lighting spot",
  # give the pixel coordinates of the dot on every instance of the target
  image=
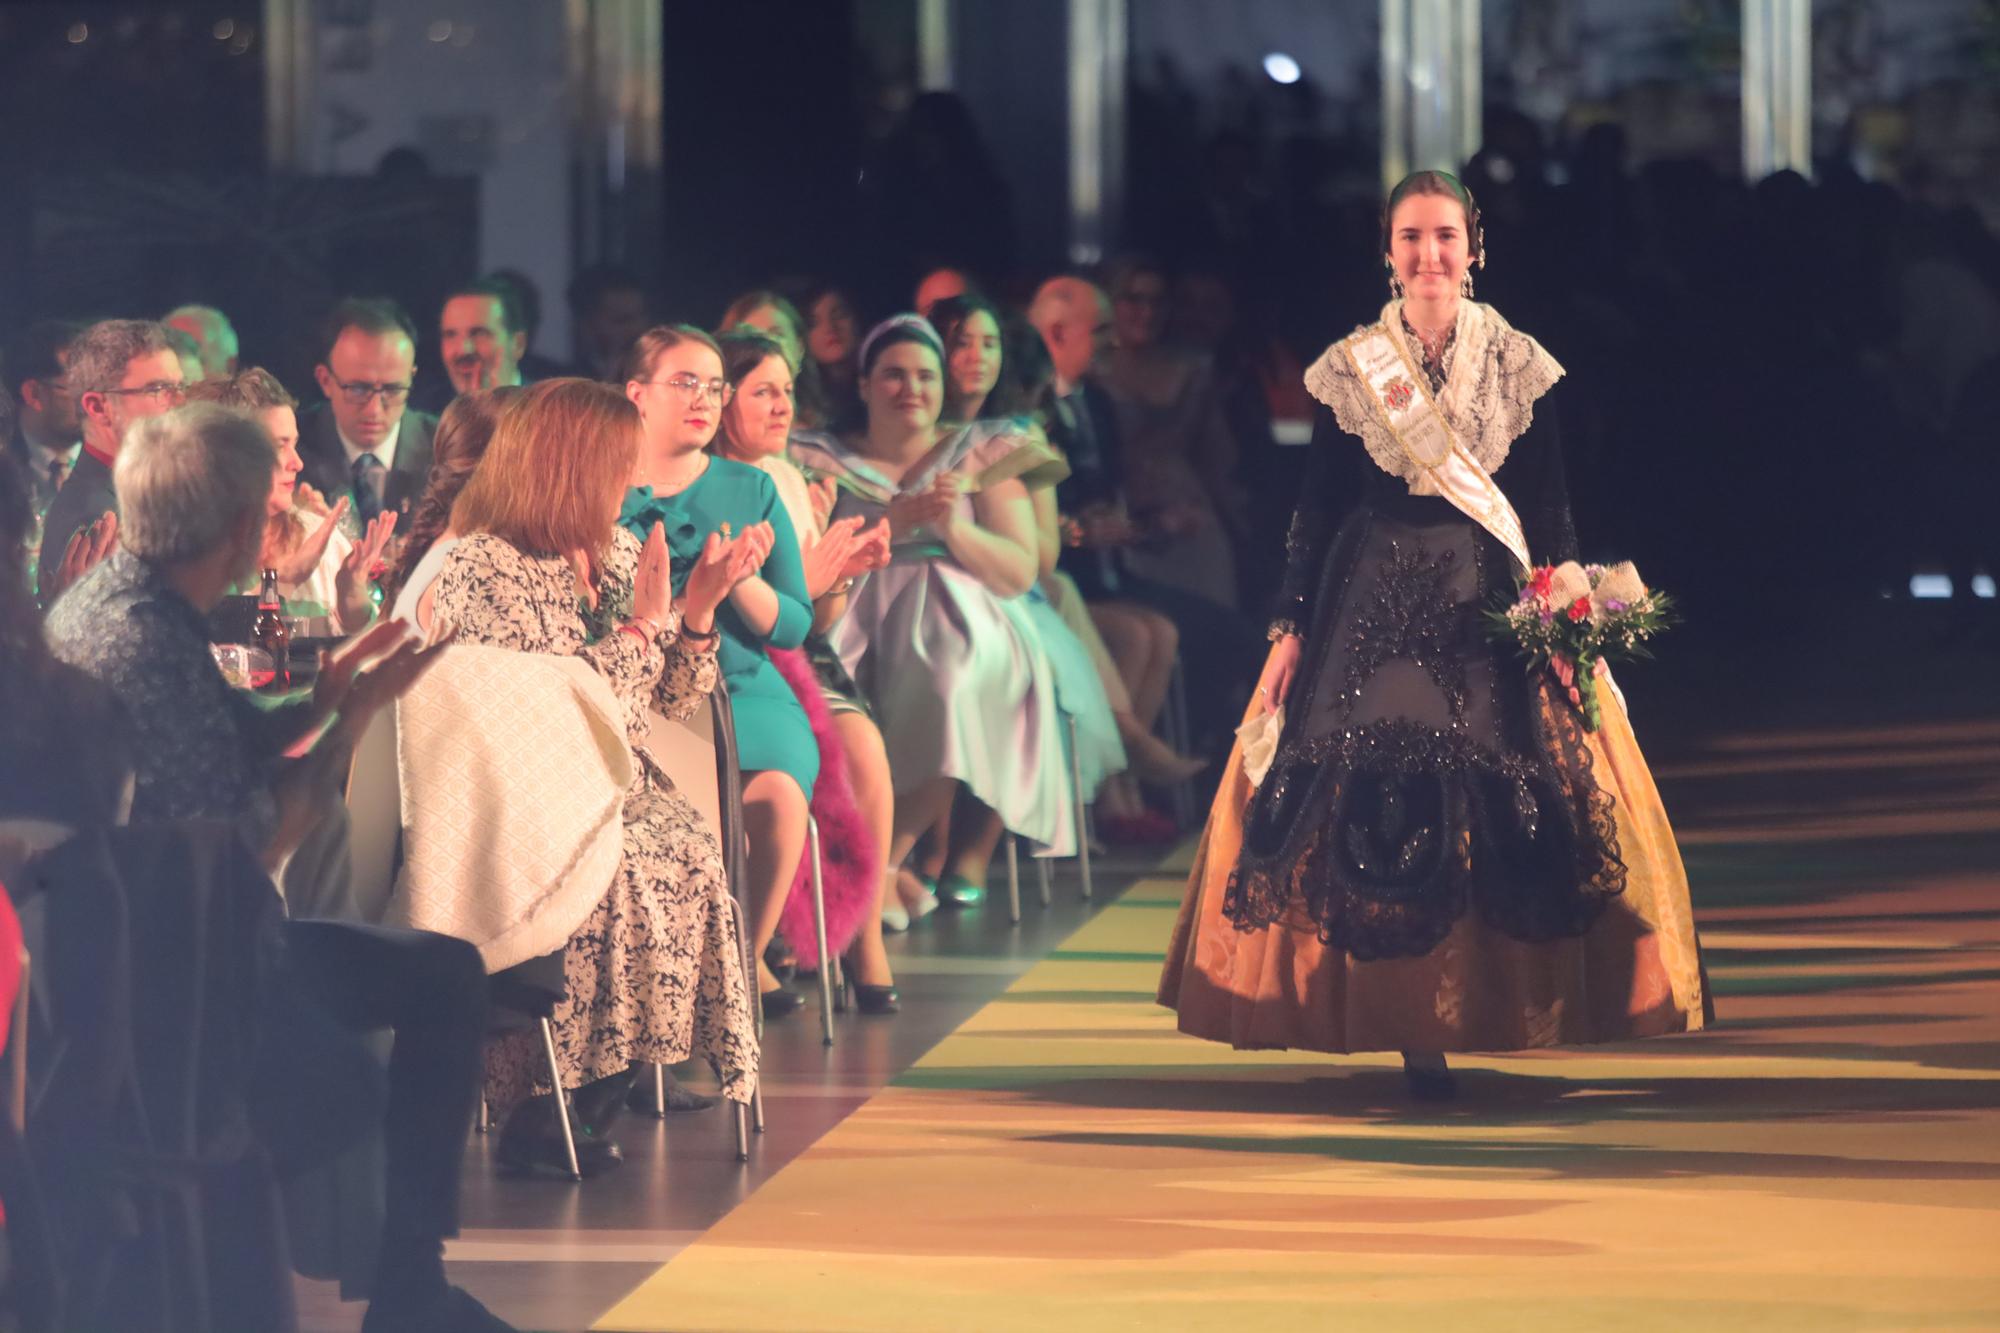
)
(1281, 67)
(1982, 586)
(1930, 585)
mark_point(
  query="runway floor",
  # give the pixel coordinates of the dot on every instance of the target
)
(1031, 1145)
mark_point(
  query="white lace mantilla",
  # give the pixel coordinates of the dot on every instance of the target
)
(1497, 373)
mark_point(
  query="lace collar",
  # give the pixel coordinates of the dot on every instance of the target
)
(1496, 374)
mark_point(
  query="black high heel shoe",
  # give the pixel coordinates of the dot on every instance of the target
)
(781, 1003)
(531, 1143)
(872, 1000)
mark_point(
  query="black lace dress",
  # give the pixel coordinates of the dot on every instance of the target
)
(1417, 779)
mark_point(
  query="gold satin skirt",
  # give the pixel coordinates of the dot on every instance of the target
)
(1636, 973)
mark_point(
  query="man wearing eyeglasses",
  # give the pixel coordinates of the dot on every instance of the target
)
(122, 371)
(366, 442)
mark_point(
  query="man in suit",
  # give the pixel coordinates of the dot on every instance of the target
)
(49, 433)
(366, 442)
(1216, 645)
(121, 371)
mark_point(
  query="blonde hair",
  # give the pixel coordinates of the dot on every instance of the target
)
(558, 466)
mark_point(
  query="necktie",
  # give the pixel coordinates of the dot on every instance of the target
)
(58, 474)
(369, 475)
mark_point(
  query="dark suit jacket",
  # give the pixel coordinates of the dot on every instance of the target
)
(86, 497)
(1096, 476)
(326, 469)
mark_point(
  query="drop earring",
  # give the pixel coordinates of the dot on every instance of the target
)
(1465, 284)
(1395, 283)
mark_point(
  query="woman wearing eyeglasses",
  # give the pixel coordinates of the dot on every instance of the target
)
(674, 376)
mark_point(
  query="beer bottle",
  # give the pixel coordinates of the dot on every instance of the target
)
(269, 632)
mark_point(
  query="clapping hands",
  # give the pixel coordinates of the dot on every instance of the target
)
(297, 566)
(845, 552)
(934, 507)
(723, 563)
(85, 551)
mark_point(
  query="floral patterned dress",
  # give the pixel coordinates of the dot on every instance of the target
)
(655, 972)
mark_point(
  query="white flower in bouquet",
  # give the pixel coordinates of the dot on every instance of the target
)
(1567, 582)
(1619, 590)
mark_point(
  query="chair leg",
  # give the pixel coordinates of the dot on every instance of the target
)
(1044, 880)
(1182, 794)
(660, 1091)
(840, 996)
(757, 1109)
(485, 1122)
(1013, 878)
(757, 1013)
(562, 1100)
(819, 931)
(1082, 810)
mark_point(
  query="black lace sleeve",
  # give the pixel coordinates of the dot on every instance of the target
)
(1540, 491)
(1330, 488)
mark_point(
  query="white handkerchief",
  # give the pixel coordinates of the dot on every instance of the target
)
(1259, 738)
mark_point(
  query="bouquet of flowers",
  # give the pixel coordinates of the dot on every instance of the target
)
(1573, 616)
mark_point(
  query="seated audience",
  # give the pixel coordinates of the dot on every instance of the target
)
(986, 394)
(941, 284)
(528, 300)
(121, 371)
(366, 442)
(608, 310)
(320, 571)
(654, 972)
(963, 696)
(775, 317)
(756, 431)
(674, 376)
(463, 433)
(189, 353)
(1180, 455)
(194, 484)
(1145, 623)
(482, 336)
(831, 338)
(214, 339)
(47, 433)
(1009, 364)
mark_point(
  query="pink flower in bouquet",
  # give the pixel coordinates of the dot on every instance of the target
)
(1541, 582)
(1579, 610)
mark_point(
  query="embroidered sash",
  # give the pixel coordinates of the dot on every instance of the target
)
(1399, 394)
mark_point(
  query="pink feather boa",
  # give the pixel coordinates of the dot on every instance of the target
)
(849, 858)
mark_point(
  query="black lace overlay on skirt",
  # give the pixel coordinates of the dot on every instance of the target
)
(1419, 777)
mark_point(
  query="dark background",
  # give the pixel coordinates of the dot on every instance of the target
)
(1777, 389)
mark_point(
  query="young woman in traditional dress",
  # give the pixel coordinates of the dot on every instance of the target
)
(1439, 857)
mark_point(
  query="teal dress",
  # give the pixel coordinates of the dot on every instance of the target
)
(771, 728)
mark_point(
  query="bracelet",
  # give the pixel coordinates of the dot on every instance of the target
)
(629, 628)
(699, 636)
(1283, 629)
(841, 589)
(653, 627)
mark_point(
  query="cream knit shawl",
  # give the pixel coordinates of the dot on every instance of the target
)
(514, 768)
